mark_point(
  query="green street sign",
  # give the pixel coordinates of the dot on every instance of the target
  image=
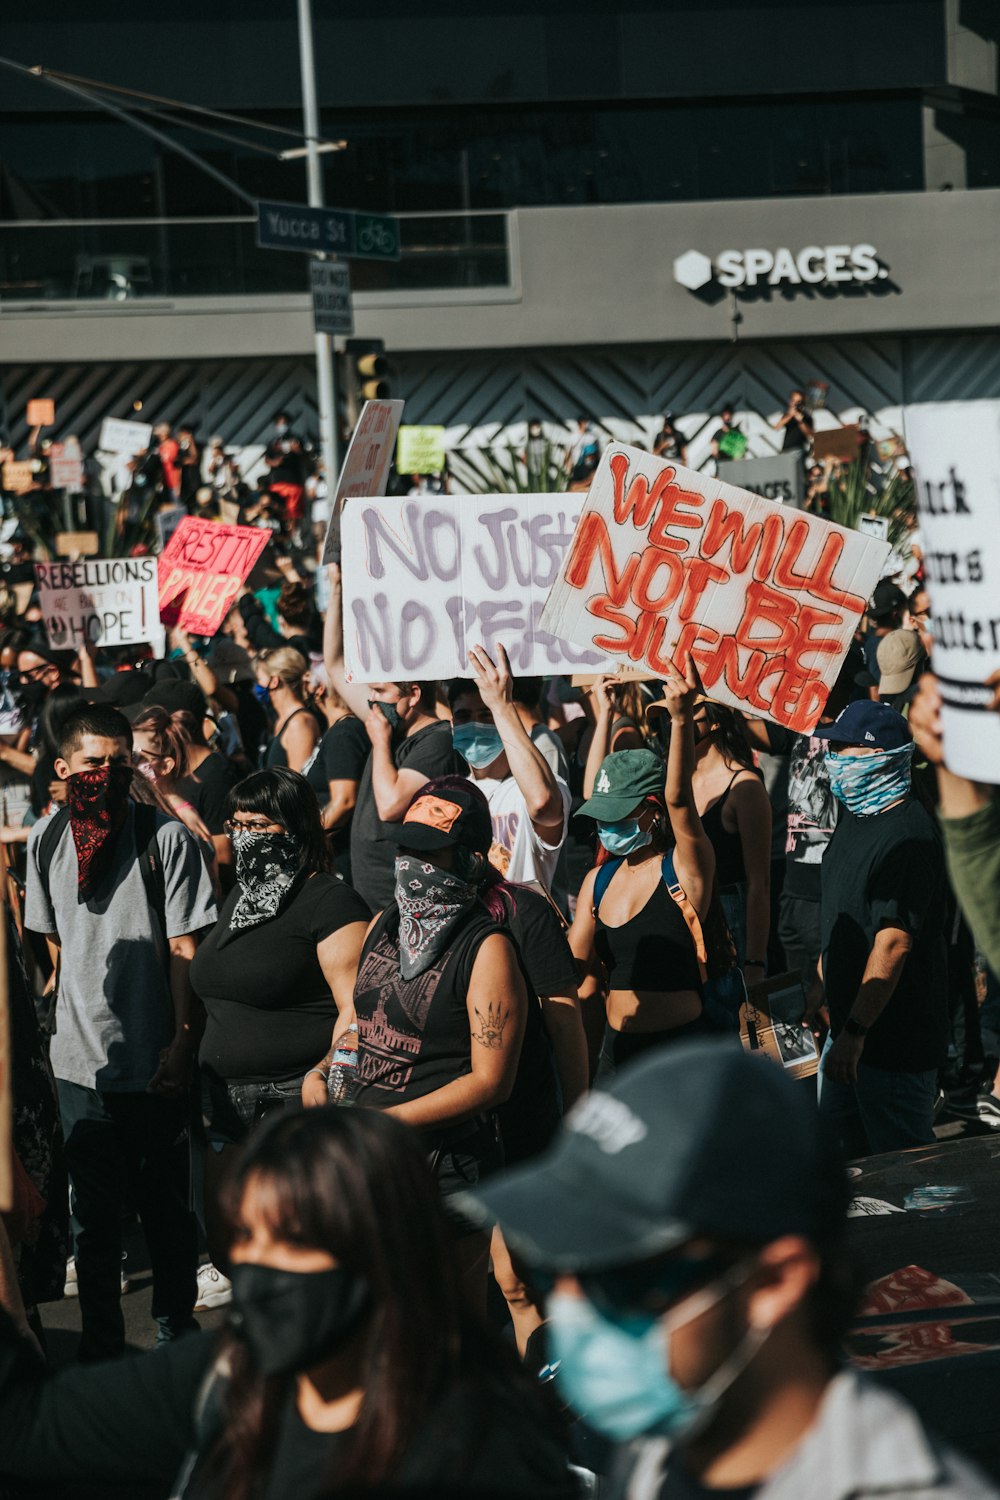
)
(376, 237)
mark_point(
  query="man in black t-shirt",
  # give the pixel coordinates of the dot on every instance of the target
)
(884, 956)
(797, 424)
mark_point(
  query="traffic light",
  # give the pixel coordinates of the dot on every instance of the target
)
(372, 371)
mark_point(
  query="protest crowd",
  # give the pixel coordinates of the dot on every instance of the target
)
(414, 1021)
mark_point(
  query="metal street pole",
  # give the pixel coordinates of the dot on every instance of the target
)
(325, 386)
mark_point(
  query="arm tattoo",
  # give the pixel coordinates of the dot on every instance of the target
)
(491, 1026)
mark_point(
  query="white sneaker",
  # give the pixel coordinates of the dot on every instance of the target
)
(71, 1287)
(214, 1289)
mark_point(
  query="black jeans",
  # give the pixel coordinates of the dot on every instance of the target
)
(116, 1143)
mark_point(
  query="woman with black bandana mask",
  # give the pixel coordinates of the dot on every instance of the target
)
(351, 1363)
(440, 1002)
(277, 970)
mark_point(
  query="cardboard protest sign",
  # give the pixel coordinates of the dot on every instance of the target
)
(420, 450)
(41, 413)
(871, 525)
(108, 601)
(66, 465)
(955, 448)
(839, 443)
(366, 465)
(167, 521)
(669, 563)
(18, 475)
(427, 578)
(202, 569)
(129, 438)
(77, 543)
(779, 477)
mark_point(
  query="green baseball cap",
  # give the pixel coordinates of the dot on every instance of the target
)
(625, 779)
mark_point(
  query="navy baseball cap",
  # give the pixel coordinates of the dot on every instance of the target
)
(873, 725)
(698, 1138)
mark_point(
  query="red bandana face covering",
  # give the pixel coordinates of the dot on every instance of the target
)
(98, 806)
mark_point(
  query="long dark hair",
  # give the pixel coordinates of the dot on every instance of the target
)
(356, 1183)
(285, 797)
(731, 734)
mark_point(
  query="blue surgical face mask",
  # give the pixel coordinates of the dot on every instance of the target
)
(478, 744)
(614, 1368)
(389, 712)
(868, 784)
(262, 693)
(624, 837)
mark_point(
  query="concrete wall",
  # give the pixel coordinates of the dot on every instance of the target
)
(601, 275)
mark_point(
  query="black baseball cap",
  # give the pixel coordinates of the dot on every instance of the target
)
(698, 1138)
(445, 814)
(874, 725)
(122, 689)
(177, 697)
(887, 599)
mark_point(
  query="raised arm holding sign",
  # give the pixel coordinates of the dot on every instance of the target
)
(667, 563)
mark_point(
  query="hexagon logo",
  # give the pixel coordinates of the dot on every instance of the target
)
(692, 269)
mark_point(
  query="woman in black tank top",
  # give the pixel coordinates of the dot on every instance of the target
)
(630, 928)
(440, 1002)
(736, 815)
(281, 674)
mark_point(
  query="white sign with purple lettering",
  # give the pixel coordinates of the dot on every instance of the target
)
(427, 578)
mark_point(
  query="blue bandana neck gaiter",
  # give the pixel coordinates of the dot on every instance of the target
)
(868, 784)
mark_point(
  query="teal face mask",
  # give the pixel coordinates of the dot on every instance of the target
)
(614, 1368)
(624, 837)
(478, 744)
(868, 784)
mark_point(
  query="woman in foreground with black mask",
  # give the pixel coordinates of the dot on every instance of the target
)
(275, 972)
(351, 1364)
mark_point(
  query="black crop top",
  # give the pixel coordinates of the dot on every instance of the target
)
(653, 951)
(729, 866)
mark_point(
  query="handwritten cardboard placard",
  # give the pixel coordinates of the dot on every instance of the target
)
(955, 449)
(420, 450)
(669, 563)
(109, 601)
(842, 444)
(66, 465)
(426, 578)
(18, 475)
(366, 465)
(77, 543)
(41, 412)
(202, 569)
(129, 438)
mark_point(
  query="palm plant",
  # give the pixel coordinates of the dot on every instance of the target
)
(863, 488)
(504, 471)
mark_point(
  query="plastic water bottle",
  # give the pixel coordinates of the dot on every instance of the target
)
(344, 1068)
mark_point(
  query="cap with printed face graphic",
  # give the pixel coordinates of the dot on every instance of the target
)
(657, 1160)
(443, 817)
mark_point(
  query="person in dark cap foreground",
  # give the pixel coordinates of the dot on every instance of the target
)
(698, 1292)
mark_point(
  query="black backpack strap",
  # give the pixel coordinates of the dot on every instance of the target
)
(54, 830)
(150, 862)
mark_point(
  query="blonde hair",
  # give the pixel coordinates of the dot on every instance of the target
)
(288, 665)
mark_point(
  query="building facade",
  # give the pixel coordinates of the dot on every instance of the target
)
(608, 215)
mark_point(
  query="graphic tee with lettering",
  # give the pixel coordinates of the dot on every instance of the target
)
(517, 851)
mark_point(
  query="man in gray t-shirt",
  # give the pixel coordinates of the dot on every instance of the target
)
(123, 1044)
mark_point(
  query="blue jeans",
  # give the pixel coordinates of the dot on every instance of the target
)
(883, 1111)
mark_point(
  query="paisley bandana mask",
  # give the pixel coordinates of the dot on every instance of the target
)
(267, 867)
(431, 902)
(98, 806)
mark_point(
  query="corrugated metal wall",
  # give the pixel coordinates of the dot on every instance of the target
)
(477, 397)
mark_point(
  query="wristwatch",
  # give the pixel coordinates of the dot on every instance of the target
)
(855, 1028)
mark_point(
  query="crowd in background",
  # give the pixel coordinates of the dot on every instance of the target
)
(245, 883)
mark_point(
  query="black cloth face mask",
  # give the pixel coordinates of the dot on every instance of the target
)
(292, 1320)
